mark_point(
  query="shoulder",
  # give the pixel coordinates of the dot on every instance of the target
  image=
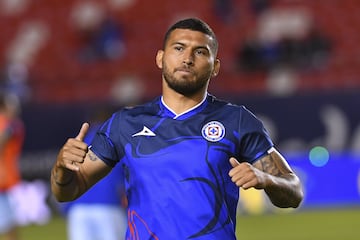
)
(151, 107)
(235, 113)
(134, 111)
(226, 105)
(131, 114)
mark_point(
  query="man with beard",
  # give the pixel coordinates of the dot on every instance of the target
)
(185, 155)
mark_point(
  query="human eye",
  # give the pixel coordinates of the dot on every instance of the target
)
(178, 48)
(201, 52)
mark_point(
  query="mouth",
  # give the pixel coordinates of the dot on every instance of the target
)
(184, 70)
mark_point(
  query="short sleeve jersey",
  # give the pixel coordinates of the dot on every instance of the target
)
(176, 166)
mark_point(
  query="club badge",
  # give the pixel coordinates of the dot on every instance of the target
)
(213, 131)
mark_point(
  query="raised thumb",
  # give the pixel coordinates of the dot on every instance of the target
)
(83, 131)
(233, 162)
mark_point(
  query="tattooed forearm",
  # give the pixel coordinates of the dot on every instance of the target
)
(283, 186)
(273, 164)
(268, 164)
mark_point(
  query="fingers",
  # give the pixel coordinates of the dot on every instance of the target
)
(83, 131)
(243, 174)
(74, 151)
(72, 166)
(71, 156)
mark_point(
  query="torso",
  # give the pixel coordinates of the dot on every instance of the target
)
(177, 169)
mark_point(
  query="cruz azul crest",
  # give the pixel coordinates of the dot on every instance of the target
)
(213, 131)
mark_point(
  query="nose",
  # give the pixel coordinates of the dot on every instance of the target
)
(188, 59)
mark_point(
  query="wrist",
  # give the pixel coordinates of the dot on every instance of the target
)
(65, 183)
(62, 179)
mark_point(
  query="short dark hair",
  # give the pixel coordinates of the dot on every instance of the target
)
(194, 24)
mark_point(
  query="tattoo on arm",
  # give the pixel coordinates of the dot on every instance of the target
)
(284, 190)
(92, 156)
(268, 164)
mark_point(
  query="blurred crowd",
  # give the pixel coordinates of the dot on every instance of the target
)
(57, 47)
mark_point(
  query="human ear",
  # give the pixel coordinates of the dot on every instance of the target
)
(159, 57)
(216, 69)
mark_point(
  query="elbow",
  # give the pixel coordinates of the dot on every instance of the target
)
(298, 195)
(62, 195)
(294, 202)
(290, 198)
(62, 199)
(298, 199)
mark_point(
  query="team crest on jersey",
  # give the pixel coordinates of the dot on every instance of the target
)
(213, 131)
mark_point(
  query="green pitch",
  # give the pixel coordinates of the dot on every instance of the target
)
(302, 225)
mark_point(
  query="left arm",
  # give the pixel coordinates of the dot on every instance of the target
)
(271, 173)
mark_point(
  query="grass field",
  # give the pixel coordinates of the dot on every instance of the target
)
(302, 225)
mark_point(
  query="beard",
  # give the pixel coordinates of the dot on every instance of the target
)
(183, 85)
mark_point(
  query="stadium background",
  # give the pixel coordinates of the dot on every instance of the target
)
(311, 110)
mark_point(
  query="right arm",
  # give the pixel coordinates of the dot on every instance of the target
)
(76, 169)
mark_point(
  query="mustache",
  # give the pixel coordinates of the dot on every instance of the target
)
(184, 68)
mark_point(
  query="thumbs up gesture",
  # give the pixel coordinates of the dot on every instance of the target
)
(246, 175)
(83, 131)
(74, 151)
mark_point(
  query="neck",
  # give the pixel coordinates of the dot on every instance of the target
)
(179, 103)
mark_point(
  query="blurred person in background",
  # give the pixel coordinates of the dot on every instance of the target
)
(101, 35)
(224, 10)
(100, 213)
(185, 155)
(12, 135)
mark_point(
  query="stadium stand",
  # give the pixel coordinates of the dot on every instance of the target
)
(56, 75)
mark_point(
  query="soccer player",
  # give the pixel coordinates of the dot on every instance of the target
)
(185, 154)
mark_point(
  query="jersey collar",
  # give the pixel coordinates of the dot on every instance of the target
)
(167, 111)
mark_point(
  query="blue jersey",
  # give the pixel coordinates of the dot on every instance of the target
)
(176, 166)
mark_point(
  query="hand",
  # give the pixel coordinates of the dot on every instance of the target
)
(246, 176)
(74, 151)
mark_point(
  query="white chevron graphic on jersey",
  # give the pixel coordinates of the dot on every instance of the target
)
(145, 132)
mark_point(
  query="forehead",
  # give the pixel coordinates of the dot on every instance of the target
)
(186, 36)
